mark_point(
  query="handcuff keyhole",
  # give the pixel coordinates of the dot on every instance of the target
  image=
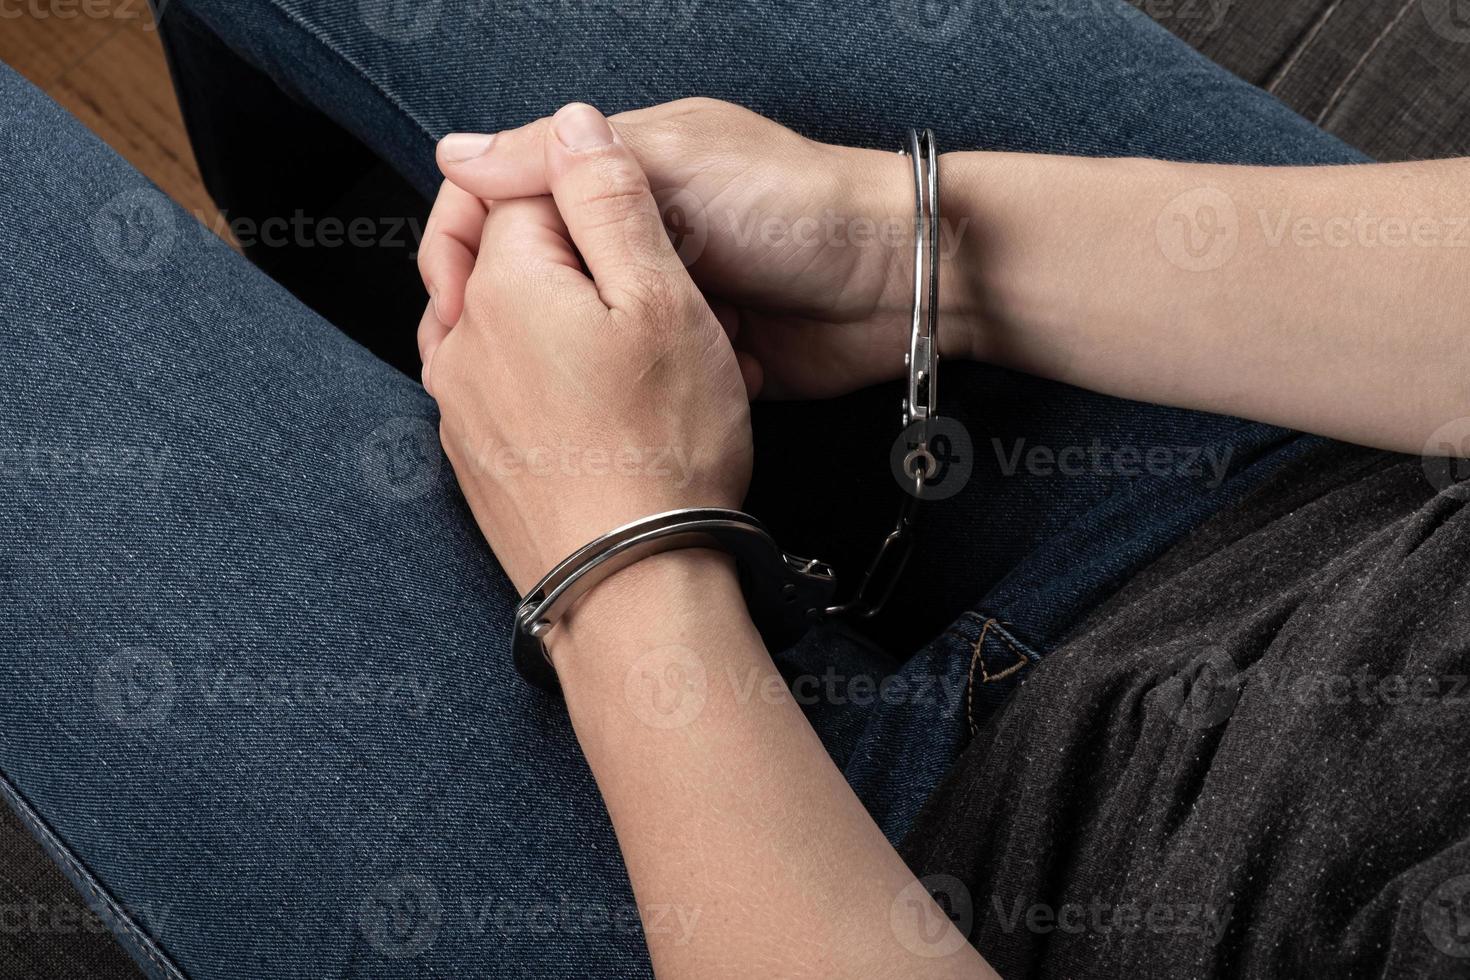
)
(920, 464)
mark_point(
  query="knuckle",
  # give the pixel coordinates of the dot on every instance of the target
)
(524, 277)
(690, 125)
(651, 291)
(704, 129)
(700, 105)
(503, 288)
(617, 186)
(646, 244)
(647, 294)
(673, 139)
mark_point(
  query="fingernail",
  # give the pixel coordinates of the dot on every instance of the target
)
(434, 302)
(459, 147)
(581, 127)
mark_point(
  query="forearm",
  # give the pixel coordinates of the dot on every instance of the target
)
(1338, 307)
(727, 808)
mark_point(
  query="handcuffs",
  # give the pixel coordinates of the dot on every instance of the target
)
(784, 592)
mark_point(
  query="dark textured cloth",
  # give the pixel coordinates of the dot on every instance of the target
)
(1390, 77)
(48, 929)
(1252, 761)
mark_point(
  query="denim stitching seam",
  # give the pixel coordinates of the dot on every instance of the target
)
(977, 658)
(101, 899)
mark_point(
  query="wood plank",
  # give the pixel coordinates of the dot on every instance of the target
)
(102, 61)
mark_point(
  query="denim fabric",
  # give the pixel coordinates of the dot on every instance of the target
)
(1089, 77)
(256, 688)
(254, 672)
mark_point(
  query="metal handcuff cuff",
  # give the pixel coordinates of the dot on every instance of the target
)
(784, 592)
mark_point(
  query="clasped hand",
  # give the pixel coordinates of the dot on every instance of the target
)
(585, 376)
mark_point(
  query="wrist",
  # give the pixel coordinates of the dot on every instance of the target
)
(1039, 231)
(963, 231)
(684, 597)
(886, 182)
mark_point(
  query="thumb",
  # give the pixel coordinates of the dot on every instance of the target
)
(609, 210)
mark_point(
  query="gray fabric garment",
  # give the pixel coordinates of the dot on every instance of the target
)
(1253, 761)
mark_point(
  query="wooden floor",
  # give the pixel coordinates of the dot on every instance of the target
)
(102, 61)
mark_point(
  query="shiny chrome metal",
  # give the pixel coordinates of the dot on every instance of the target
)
(784, 591)
(921, 402)
(922, 361)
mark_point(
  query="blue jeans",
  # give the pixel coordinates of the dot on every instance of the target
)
(256, 699)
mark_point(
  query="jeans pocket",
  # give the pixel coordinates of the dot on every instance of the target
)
(997, 659)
